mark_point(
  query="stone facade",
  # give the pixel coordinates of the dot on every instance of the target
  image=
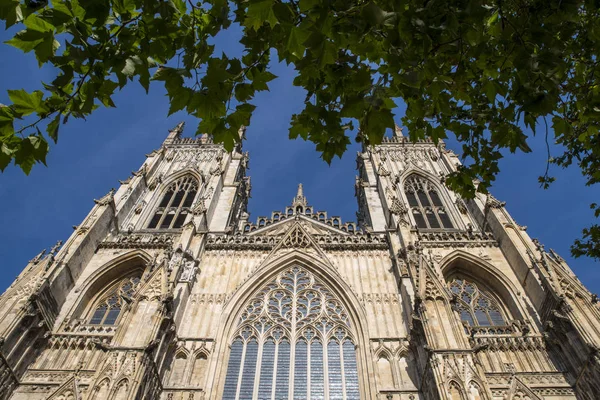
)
(166, 290)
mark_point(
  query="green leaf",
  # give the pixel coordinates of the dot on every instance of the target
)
(295, 43)
(26, 40)
(260, 12)
(306, 5)
(52, 128)
(243, 91)
(202, 105)
(493, 19)
(10, 11)
(25, 103)
(178, 5)
(35, 23)
(180, 99)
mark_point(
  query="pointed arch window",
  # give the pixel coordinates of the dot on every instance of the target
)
(109, 307)
(294, 341)
(425, 203)
(175, 204)
(476, 305)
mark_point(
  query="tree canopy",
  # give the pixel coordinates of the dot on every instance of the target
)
(493, 73)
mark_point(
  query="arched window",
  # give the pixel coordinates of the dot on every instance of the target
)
(293, 317)
(175, 204)
(426, 204)
(475, 304)
(108, 308)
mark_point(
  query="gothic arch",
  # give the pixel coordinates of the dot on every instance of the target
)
(105, 276)
(486, 273)
(326, 274)
(443, 193)
(156, 196)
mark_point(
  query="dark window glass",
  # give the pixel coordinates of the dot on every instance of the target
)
(445, 219)
(155, 219)
(350, 371)
(248, 373)
(482, 318)
(178, 198)
(283, 371)
(435, 198)
(166, 199)
(412, 199)
(466, 316)
(167, 221)
(189, 199)
(334, 370)
(233, 370)
(476, 305)
(496, 318)
(112, 316)
(433, 222)
(265, 386)
(423, 198)
(180, 220)
(317, 386)
(98, 316)
(300, 370)
(420, 221)
(175, 204)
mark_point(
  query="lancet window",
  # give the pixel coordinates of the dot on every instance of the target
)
(175, 204)
(109, 307)
(294, 341)
(426, 204)
(476, 305)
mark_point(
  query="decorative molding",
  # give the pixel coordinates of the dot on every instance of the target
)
(448, 238)
(158, 240)
(326, 242)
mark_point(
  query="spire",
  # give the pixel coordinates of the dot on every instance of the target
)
(299, 200)
(175, 133)
(398, 131)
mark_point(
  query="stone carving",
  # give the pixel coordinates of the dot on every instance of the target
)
(189, 271)
(138, 240)
(107, 199)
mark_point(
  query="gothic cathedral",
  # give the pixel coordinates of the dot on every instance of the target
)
(167, 290)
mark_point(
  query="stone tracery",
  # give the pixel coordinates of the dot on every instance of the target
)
(293, 317)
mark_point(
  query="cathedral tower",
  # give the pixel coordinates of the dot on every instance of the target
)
(167, 290)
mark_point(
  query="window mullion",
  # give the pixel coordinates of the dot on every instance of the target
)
(258, 368)
(422, 209)
(434, 209)
(274, 386)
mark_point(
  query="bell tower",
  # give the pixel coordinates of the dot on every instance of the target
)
(488, 307)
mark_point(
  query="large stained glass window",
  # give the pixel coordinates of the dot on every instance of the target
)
(293, 341)
(425, 204)
(475, 305)
(108, 308)
(175, 204)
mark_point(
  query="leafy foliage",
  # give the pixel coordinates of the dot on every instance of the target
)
(481, 70)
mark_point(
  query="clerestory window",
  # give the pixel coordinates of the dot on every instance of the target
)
(426, 204)
(175, 204)
(293, 341)
(475, 305)
(108, 308)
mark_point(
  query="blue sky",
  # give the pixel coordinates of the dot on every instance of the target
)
(91, 156)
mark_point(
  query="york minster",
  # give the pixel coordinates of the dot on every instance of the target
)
(168, 290)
